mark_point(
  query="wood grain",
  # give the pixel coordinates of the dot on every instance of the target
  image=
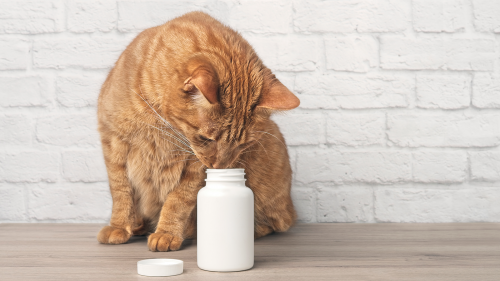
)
(307, 252)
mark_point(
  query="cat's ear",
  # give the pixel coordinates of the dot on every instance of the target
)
(276, 96)
(204, 82)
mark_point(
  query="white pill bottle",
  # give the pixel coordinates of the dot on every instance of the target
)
(225, 215)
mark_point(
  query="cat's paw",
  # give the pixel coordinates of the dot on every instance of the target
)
(163, 242)
(113, 235)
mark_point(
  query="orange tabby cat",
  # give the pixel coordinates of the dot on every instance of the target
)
(184, 96)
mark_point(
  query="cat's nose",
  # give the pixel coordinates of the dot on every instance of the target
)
(216, 165)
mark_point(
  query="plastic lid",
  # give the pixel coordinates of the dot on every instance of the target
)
(160, 267)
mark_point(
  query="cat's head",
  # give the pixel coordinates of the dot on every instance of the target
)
(223, 113)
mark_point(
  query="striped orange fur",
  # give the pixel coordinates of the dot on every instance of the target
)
(184, 96)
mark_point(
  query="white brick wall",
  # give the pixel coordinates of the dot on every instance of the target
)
(399, 118)
(439, 16)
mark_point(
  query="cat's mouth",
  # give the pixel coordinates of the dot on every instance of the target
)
(215, 164)
(224, 162)
(207, 161)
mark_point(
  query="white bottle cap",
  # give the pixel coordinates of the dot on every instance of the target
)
(160, 267)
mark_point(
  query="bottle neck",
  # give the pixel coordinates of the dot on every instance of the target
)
(226, 177)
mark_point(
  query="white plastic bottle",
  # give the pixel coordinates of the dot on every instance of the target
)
(225, 214)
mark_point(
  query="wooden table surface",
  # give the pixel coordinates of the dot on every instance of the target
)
(307, 252)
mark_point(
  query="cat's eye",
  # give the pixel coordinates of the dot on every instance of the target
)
(204, 139)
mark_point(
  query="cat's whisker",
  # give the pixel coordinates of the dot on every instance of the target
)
(187, 152)
(160, 119)
(184, 161)
(243, 161)
(168, 134)
(244, 150)
(272, 136)
(180, 153)
(181, 148)
(159, 116)
(201, 166)
(193, 163)
(176, 150)
(249, 151)
(263, 148)
(203, 144)
(167, 125)
(259, 150)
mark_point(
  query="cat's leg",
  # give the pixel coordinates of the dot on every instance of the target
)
(190, 231)
(270, 180)
(122, 216)
(276, 213)
(262, 230)
(175, 214)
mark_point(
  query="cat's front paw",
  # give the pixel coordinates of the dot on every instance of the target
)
(113, 235)
(163, 242)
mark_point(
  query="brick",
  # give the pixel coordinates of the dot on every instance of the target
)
(79, 90)
(437, 205)
(351, 15)
(439, 166)
(325, 165)
(23, 91)
(443, 91)
(29, 166)
(287, 53)
(358, 90)
(91, 16)
(453, 129)
(403, 53)
(71, 202)
(68, 129)
(345, 204)
(486, 90)
(355, 128)
(300, 129)
(13, 53)
(31, 17)
(485, 165)
(439, 16)
(84, 166)
(16, 129)
(436, 53)
(476, 204)
(139, 15)
(471, 54)
(12, 203)
(486, 15)
(323, 16)
(88, 52)
(304, 201)
(318, 102)
(396, 204)
(262, 16)
(351, 53)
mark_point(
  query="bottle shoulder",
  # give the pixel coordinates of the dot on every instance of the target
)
(222, 191)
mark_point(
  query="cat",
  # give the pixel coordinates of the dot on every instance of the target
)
(184, 96)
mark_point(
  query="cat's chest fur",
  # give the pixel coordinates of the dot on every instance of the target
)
(154, 168)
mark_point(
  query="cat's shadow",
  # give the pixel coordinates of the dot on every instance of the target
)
(138, 239)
